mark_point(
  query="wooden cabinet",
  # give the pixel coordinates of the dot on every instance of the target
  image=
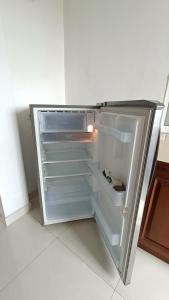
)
(154, 234)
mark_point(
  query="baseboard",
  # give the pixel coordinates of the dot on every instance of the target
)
(17, 215)
(2, 216)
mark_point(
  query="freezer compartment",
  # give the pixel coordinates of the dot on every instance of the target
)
(68, 198)
(83, 137)
(116, 198)
(65, 169)
(65, 152)
(61, 121)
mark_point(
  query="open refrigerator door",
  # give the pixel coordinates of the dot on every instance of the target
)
(127, 137)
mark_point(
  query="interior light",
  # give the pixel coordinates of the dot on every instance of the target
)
(90, 128)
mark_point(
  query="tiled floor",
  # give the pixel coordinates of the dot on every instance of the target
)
(69, 261)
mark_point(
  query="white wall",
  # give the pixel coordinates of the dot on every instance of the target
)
(31, 71)
(163, 153)
(116, 50)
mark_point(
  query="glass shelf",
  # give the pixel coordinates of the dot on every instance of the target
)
(66, 170)
(68, 190)
(66, 155)
(122, 136)
(83, 137)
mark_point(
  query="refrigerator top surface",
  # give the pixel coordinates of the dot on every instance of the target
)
(63, 106)
(127, 103)
(135, 103)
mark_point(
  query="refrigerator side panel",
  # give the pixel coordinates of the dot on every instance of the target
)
(35, 128)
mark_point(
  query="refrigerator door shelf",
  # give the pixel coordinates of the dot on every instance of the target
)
(111, 233)
(57, 170)
(116, 198)
(122, 136)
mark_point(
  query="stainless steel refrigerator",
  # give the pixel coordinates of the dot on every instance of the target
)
(97, 162)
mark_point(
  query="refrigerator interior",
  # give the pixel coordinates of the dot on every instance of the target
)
(76, 147)
(67, 147)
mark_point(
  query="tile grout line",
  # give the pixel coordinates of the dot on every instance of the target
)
(118, 292)
(61, 231)
(121, 295)
(112, 295)
(58, 237)
(82, 260)
(55, 238)
(117, 284)
(29, 264)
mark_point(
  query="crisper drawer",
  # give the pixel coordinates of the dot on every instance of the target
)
(71, 211)
(68, 199)
(67, 189)
(65, 121)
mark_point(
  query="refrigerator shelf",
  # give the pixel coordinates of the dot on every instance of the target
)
(57, 170)
(71, 211)
(112, 234)
(68, 190)
(66, 155)
(122, 136)
(58, 137)
(55, 200)
(67, 142)
(117, 198)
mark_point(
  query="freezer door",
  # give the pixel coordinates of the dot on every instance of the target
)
(127, 135)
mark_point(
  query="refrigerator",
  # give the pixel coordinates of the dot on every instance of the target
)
(97, 162)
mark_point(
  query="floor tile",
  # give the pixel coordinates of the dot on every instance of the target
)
(58, 229)
(57, 274)
(150, 279)
(84, 240)
(55, 229)
(116, 296)
(35, 213)
(21, 242)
